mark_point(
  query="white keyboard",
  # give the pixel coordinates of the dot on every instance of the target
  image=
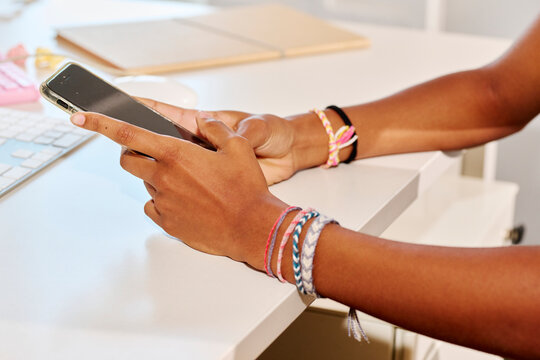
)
(29, 142)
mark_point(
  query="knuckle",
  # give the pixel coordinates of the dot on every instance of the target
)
(170, 153)
(212, 124)
(125, 134)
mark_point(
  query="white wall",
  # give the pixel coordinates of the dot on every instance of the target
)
(505, 18)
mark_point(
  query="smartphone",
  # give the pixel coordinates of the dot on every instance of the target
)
(73, 88)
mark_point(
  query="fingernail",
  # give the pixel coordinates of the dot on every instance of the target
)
(204, 115)
(78, 119)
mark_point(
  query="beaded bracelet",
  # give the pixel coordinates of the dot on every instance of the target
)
(272, 238)
(308, 252)
(295, 251)
(285, 239)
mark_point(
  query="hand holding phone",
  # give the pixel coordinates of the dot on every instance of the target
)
(73, 88)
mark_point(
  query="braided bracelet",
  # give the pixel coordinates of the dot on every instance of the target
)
(285, 239)
(354, 138)
(308, 252)
(271, 243)
(345, 136)
(271, 236)
(333, 149)
(295, 251)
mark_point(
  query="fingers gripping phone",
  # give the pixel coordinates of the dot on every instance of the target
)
(73, 88)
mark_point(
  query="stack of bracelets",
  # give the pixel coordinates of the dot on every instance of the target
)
(303, 260)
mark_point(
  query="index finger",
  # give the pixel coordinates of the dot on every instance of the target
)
(125, 134)
(178, 115)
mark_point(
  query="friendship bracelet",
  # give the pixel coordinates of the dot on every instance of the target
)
(354, 326)
(333, 149)
(295, 251)
(285, 239)
(308, 252)
(269, 251)
(347, 122)
(276, 224)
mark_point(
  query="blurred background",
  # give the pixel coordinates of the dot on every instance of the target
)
(518, 157)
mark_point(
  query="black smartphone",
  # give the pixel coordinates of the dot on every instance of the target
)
(73, 88)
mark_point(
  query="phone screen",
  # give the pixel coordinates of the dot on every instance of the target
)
(89, 93)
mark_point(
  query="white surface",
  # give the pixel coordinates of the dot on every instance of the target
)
(92, 277)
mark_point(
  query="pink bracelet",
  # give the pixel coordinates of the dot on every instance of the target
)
(285, 239)
(279, 220)
(344, 137)
(333, 147)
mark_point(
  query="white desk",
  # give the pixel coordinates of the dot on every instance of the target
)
(83, 272)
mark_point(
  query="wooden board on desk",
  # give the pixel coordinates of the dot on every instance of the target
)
(230, 36)
(161, 46)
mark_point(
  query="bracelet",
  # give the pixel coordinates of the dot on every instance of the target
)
(271, 236)
(295, 251)
(308, 252)
(333, 149)
(274, 232)
(347, 122)
(285, 239)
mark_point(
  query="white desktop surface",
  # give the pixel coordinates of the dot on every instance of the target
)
(84, 274)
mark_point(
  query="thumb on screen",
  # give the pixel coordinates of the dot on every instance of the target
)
(219, 134)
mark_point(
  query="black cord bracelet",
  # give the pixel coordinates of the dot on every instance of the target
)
(348, 122)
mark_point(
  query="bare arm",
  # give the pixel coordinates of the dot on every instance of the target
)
(452, 112)
(487, 299)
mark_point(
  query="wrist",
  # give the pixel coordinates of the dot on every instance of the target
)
(253, 244)
(310, 143)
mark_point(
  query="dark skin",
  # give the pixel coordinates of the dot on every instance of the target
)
(487, 299)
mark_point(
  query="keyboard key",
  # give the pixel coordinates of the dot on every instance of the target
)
(80, 131)
(22, 153)
(16, 173)
(67, 140)
(34, 131)
(44, 126)
(25, 136)
(4, 168)
(53, 134)
(17, 128)
(51, 150)
(5, 182)
(44, 140)
(42, 156)
(32, 163)
(64, 128)
(7, 133)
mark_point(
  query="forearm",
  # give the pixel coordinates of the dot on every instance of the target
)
(452, 112)
(456, 111)
(482, 298)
